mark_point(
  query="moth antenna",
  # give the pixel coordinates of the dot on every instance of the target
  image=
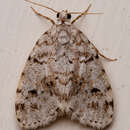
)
(86, 13)
(41, 5)
(94, 13)
(75, 12)
(42, 15)
(83, 13)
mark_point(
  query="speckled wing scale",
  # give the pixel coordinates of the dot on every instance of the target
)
(63, 76)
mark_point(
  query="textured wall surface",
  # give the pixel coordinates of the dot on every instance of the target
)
(20, 28)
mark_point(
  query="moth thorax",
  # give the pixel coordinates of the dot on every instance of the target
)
(63, 37)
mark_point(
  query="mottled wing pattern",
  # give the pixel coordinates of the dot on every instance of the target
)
(64, 76)
(92, 105)
(35, 106)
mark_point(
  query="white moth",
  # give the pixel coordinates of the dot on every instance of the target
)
(64, 76)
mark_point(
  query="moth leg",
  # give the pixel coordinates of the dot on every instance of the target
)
(107, 58)
(39, 14)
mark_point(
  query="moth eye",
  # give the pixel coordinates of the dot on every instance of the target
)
(68, 16)
(58, 14)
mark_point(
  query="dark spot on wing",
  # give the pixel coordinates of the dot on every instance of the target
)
(56, 78)
(16, 107)
(35, 60)
(51, 83)
(94, 105)
(86, 91)
(95, 90)
(37, 42)
(18, 119)
(111, 104)
(80, 83)
(89, 41)
(47, 84)
(22, 106)
(42, 91)
(90, 120)
(29, 58)
(90, 59)
(46, 32)
(109, 88)
(103, 70)
(18, 90)
(35, 122)
(33, 92)
(34, 106)
(72, 72)
(51, 93)
(71, 109)
(57, 109)
(70, 62)
(106, 103)
(106, 106)
(95, 121)
(22, 73)
(19, 106)
(26, 97)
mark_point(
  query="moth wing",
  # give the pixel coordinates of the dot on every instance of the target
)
(93, 103)
(35, 105)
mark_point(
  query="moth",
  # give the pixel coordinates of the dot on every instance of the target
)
(64, 76)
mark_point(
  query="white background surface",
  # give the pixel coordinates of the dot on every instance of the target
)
(20, 28)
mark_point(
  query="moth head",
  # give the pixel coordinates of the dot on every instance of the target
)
(63, 16)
